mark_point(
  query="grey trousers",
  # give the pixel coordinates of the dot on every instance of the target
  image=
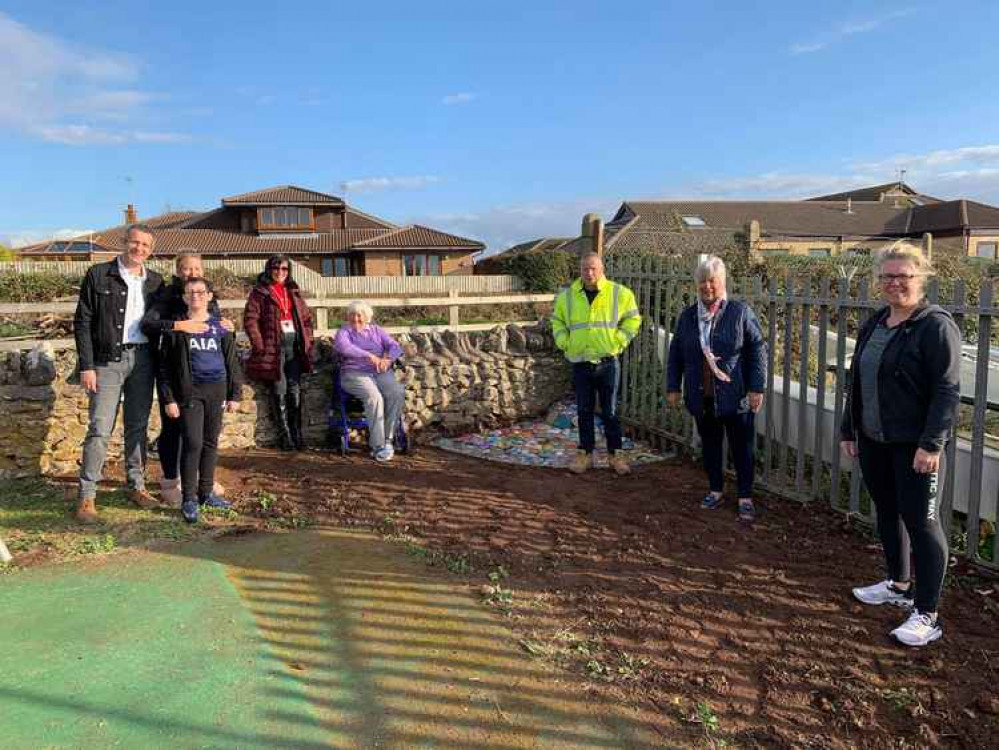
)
(131, 381)
(383, 397)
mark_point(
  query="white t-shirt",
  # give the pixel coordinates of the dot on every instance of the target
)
(135, 306)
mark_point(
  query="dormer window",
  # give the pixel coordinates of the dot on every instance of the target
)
(285, 218)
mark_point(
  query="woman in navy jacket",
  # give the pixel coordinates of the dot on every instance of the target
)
(719, 357)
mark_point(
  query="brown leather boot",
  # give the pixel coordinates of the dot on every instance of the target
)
(86, 510)
(143, 499)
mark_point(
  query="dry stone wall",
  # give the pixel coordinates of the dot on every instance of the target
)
(455, 382)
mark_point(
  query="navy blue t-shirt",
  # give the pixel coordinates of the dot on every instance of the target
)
(207, 359)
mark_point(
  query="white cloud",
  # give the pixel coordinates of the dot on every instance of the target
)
(844, 30)
(374, 184)
(463, 97)
(22, 237)
(966, 172)
(85, 135)
(56, 91)
(502, 226)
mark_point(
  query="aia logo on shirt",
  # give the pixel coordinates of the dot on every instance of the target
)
(206, 342)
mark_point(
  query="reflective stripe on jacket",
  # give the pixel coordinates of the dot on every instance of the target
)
(589, 332)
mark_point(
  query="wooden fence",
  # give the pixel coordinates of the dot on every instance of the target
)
(810, 325)
(312, 283)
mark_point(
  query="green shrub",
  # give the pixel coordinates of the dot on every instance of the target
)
(543, 271)
(37, 287)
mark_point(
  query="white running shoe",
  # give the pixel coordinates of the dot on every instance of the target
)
(883, 593)
(919, 630)
(385, 453)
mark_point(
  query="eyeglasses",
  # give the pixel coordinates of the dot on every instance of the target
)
(280, 268)
(889, 277)
(198, 294)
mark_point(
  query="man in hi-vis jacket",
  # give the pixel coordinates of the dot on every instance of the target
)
(594, 321)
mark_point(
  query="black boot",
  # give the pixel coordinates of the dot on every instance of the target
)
(279, 413)
(293, 401)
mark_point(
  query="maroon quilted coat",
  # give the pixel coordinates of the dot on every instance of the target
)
(262, 322)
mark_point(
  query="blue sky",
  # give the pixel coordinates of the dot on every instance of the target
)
(499, 121)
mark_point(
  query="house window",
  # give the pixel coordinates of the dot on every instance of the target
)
(986, 250)
(338, 266)
(693, 221)
(288, 218)
(421, 264)
(819, 252)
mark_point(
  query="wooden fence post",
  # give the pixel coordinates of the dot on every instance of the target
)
(452, 311)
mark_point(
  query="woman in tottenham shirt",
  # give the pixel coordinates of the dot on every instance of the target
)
(198, 381)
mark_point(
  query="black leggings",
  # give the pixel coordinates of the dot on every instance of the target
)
(741, 443)
(291, 368)
(201, 418)
(168, 444)
(907, 511)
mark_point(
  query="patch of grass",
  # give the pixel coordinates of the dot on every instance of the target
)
(36, 522)
(13, 328)
(903, 699)
(265, 500)
(460, 564)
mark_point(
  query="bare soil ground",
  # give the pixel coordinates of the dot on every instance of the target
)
(718, 634)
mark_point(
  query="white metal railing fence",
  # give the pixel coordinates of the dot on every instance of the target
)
(807, 323)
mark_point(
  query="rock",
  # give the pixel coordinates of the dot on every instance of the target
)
(988, 703)
(40, 365)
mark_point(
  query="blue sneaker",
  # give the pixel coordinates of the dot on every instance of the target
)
(214, 501)
(189, 509)
(747, 511)
(711, 502)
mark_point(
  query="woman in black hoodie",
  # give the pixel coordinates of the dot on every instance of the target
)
(901, 406)
(167, 314)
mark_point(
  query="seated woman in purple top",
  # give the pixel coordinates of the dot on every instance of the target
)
(367, 353)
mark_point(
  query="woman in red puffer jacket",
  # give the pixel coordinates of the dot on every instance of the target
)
(278, 323)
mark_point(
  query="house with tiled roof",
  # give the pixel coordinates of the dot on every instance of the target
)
(858, 221)
(317, 230)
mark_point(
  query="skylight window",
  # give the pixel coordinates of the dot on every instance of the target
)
(694, 221)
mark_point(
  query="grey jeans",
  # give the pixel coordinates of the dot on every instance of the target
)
(383, 397)
(130, 380)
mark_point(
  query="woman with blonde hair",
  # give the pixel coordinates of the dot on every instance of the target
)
(901, 406)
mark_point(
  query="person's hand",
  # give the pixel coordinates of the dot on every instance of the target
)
(230, 406)
(189, 326)
(849, 448)
(172, 411)
(755, 401)
(673, 398)
(384, 364)
(925, 462)
(228, 324)
(88, 379)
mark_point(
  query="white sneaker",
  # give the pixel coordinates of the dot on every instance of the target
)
(883, 593)
(919, 630)
(385, 453)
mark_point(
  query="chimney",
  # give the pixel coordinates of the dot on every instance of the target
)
(131, 217)
(849, 205)
(593, 228)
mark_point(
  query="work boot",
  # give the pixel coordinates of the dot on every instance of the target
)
(170, 492)
(294, 404)
(619, 464)
(143, 499)
(279, 413)
(581, 463)
(86, 510)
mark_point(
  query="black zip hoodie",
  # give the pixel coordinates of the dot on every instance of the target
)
(918, 380)
(174, 379)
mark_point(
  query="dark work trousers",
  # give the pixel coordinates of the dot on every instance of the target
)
(906, 504)
(168, 444)
(741, 442)
(202, 423)
(591, 382)
(291, 367)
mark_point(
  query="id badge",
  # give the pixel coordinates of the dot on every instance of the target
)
(287, 326)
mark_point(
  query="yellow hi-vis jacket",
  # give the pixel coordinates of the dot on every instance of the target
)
(588, 333)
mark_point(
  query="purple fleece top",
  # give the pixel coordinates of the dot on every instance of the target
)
(355, 346)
